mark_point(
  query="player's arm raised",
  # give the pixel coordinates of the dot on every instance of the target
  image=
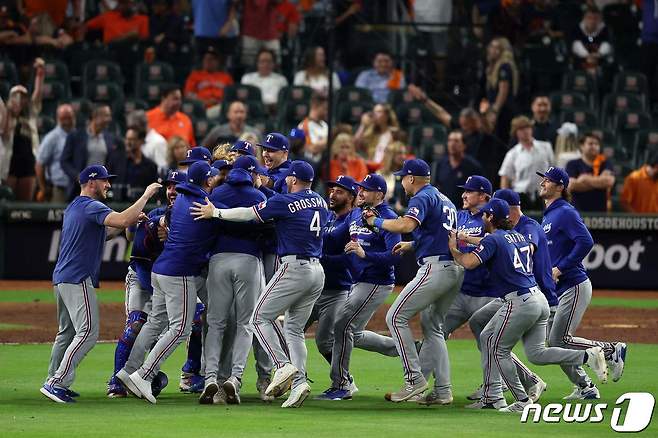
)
(401, 225)
(131, 215)
(468, 260)
(209, 211)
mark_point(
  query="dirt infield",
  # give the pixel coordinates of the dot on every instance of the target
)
(37, 322)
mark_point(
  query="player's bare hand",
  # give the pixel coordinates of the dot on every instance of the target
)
(355, 248)
(258, 182)
(163, 233)
(452, 239)
(556, 274)
(142, 217)
(202, 211)
(152, 189)
(402, 248)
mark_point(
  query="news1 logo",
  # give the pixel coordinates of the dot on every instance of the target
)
(637, 417)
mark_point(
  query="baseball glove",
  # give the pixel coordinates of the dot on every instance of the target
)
(367, 212)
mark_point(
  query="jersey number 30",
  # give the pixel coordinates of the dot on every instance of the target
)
(315, 224)
(451, 218)
(517, 259)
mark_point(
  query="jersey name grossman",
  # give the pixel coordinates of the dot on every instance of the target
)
(306, 203)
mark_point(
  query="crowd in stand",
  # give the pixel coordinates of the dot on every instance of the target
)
(135, 85)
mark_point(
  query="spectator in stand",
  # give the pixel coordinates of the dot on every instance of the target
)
(166, 27)
(640, 192)
(507, 20)
(484, 147)
(155, 145)
(544, 127)
(266, 79)
(20, 136)
(502, 84)
(41, 32)
(523, 161)
(208, 83)
(591, 42)
(649, 48)
(287, 19)
(377, 130)
(231, 131)
(453, 169)
(134, 172)
(259, 20)
(591, 176)
(315, 127)
(344, 159)
(216, 25)
(315, 73)
(53, 183)
(90, 144)
(382, 78)
(177, 149)
(566, 144)
(394, 157)
(120, 24)
(167, 119)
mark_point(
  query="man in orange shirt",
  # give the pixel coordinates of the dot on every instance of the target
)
(168, 120)
(207, 84)
(121, 24)
(640, 192)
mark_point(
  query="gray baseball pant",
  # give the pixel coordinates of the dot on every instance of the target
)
(137, 298)
(235, 282)
(295, 287)
(78, 326)
(362, 302)
(174, 302)
(570, 310)
(459, 312)
(326, 311)
(435, 286)
(524, 318)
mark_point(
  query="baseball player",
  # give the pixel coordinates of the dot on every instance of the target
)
(338, 278)
(87, 224)
(174, 281)
(146, 247)
(242, 147)
(299, 217)
(430, 216)
(523, 316)
(569, 242)
(235, 281)
(373, 262)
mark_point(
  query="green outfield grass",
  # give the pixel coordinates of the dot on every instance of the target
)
(25, 412)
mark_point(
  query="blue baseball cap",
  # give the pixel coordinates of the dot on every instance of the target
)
(373, 183)
(198, 153)
(557, 175)
(499, 208)
(297, 134)
(249, 163)
(477, 183)
(345, 182)
(302, 170)
(199, 172)
(508, 195)
(221, 164)
(176, 177)
(243, 147)
(415, 167)
(94, 172)
(275, 142)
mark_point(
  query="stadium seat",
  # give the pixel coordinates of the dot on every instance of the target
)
(57, 70)
(201, 128)
(4, 90)
(398, 97)
(428, 141)
(607, 136)
(265, 125)
(296, 93)
(103, 91)
(568, 100)
(628, 123)
(82, 108)
(645, 142)
(618, 102)
(78, 54)
(99, 70)
(353, 94)
(121, 108)
(150, 92)
(193, 108)
(413, 113)
(630, 82)
(242, 93)
(291, 114)
(581, 117)
(545, 64)
(351, 112)
(155, 72)
(45, 124)
(53, 93)
(8, 72)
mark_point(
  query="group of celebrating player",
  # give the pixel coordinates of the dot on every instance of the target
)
(241, 244)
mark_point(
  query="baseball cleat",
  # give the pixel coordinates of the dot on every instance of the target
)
(434, 398)
(143, 386)
(72, 393)
(596, 361)
(58, 395)
(476, 395)
(518, 406)
(498, 404)
(159, 382)
(588, 393)
(209, 391)
(197, 384)
(297, 396)
(353, 388)
(124, 378)
(281, 381)
(220, 397)
(261, 386)
(334, 394)
(536, 390)
(617, 361)
(409, 390)
(232, 390)
(116, 390)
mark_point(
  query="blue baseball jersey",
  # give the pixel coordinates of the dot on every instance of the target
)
(378, 266)
(299, 222)
(541, 259)
(278, 174)
(508, 255)
(146, 247)
(82, 241)
(186, 249)
(476, 281)
(237, 237)
(569, 241)
(436, 216)
(334, 260)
